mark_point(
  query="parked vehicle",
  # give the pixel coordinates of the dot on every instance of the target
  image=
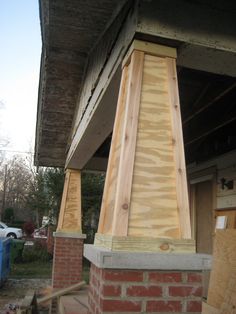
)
(10, 232)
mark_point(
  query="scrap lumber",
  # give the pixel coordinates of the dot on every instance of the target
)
(222, 292)
(61, 292)
(28, 304)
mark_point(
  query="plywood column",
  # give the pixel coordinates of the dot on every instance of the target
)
(145, 203)
(68, 239)
(70, 210)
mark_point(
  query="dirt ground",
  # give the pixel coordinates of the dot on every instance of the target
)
(14, 290)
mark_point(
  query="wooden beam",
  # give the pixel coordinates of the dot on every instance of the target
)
(207, 59)
(96, 164)
(224, 92)
(100, 100)
(210, 131)
(155, 19)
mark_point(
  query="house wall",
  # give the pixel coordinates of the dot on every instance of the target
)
(225, 167)
(210, 199)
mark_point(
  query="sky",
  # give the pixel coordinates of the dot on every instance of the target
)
(20, 51)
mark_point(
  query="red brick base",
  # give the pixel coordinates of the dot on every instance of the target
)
(67, 261)
(148, 291)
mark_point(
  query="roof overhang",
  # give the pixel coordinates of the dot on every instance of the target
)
(70, 30)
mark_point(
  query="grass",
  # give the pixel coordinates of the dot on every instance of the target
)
(38, 269)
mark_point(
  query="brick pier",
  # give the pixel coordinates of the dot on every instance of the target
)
(67, 261)
(146, 288)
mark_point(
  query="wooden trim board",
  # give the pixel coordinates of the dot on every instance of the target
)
(107, 208)
(178, 146)
(151, 49)
(145, 244)
(128, 144)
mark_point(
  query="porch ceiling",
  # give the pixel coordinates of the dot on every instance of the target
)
(70, 30)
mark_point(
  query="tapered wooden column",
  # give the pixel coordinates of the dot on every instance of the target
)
(70, 210)
(69, 240)
(145, 202)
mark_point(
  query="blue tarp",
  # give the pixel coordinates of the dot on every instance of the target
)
(5, 246)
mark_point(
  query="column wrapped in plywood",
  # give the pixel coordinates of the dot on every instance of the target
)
(70, 210)
(145, 202)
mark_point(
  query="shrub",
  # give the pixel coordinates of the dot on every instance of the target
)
(28, 228)
(36, 252)
(9, 214)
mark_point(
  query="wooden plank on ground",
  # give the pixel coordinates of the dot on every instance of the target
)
(224, 266)
(61, 292)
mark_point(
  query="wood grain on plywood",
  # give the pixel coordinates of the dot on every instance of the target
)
(107, 209)
(229, 303)
(153, 203)
(70, 212)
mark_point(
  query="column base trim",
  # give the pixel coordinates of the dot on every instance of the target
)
(145, 244)
(64, 234)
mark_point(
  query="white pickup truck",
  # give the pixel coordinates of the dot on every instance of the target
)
(11, 232)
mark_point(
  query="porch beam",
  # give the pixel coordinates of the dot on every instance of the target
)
(95, 117)
(196, 23)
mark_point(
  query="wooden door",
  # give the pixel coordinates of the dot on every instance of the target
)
(204, 216)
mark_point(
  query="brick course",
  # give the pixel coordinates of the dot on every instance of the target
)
(144, 291)
(67, 261)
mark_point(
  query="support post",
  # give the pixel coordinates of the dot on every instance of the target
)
(145, 203)
(69, 240)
